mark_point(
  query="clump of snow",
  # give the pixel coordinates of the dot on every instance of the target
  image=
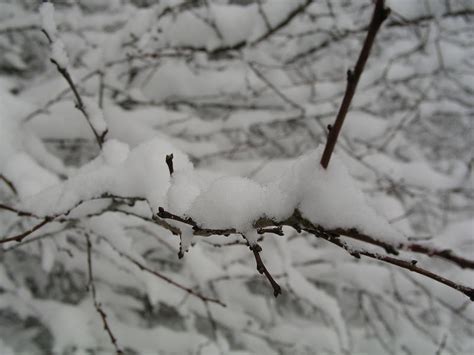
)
(58, 53)
(332, 199)
(142, 173)
(185, 187)
(229, 202)
(329, 198)
(115, 152)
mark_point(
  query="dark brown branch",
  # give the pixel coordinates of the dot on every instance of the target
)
(197, 230)
(408, 265)
(379, 16)
(162, 213)
(97, 305)
(441, 253)
(355, 234)
(445, 254)
(20, 237)
(256, 249)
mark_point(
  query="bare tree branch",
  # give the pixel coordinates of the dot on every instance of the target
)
(379, 16)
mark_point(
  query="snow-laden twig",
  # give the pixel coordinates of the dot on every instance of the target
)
(92, 114)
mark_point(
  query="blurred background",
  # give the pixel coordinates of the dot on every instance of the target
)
(243, 87)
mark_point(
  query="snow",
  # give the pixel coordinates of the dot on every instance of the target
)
(229, 202)
(142, 174)
(306, 291)
(58, 53)
(95, 114)
(47, 19)
(328, 198)
(48, 23)
(30, 178)
(241, 154)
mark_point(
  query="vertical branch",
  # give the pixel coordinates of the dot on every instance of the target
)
(261, 268)
(99, 136)
(379, 16)
(101, 89)
(97, 305)
(169, 162)
(80, 103)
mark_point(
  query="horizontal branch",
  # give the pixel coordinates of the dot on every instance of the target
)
(21, 236)
(297, 222)
(408, 265)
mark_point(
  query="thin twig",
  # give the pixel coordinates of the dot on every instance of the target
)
(9, 184)
(446, 254)
(20, 237)
(97, 305)
(79, 102)
(20, 213)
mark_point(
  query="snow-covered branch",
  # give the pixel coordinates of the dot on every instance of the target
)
(207, 194)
